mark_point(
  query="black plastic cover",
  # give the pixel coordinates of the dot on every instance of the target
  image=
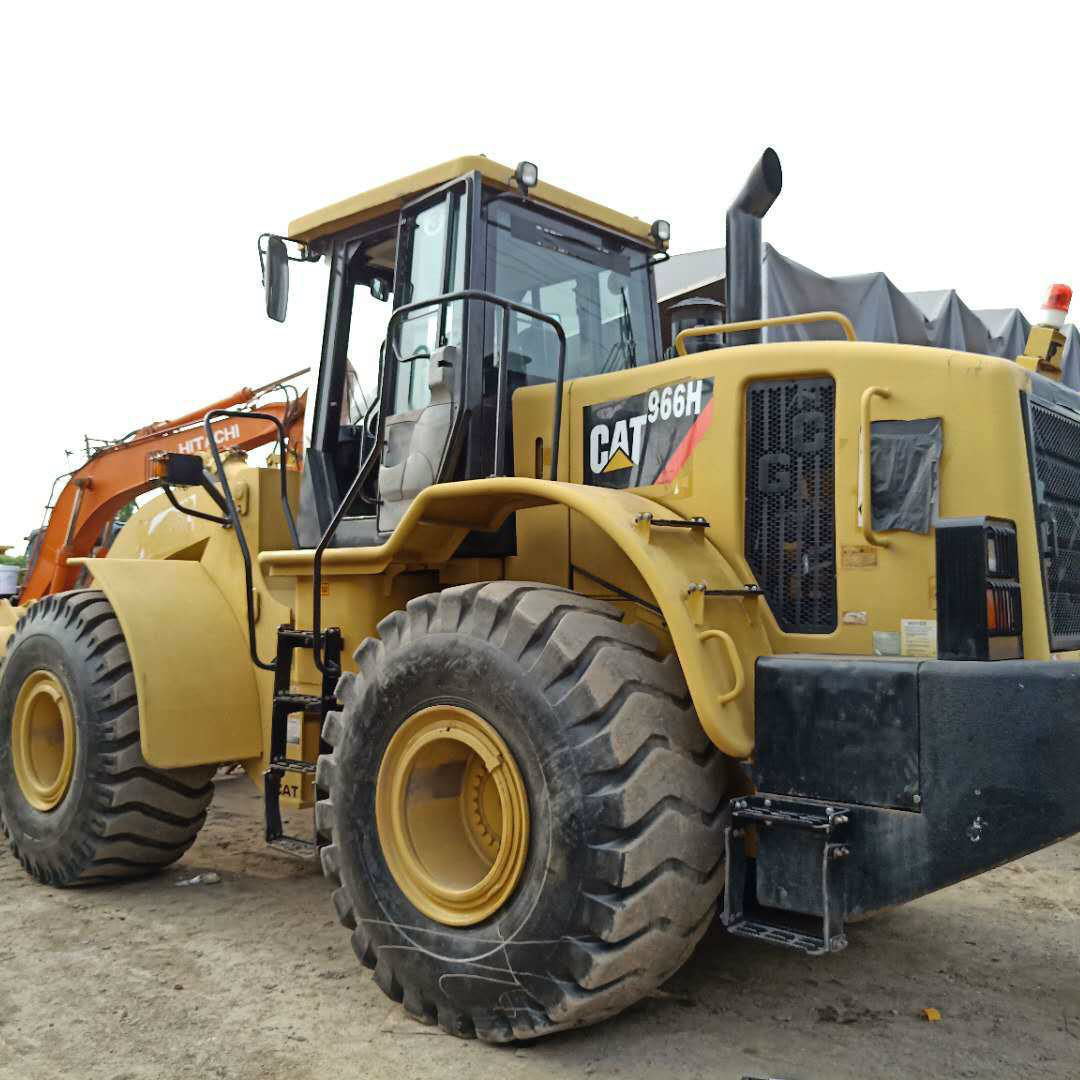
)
(831, 728)
(904, 457)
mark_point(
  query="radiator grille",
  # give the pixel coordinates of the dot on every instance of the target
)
(1056, 442)
(790, 501)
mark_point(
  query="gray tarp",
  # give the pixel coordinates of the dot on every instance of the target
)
(879, 310)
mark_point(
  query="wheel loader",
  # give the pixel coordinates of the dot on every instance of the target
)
(608, 637)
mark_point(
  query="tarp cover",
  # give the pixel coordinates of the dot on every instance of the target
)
(904, 457)
(879, 310)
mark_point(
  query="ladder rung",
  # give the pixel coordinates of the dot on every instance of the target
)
(293, 845)
(293, 765)
(298, 701)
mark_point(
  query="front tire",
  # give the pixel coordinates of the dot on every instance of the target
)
(78, 801)
(622, 861)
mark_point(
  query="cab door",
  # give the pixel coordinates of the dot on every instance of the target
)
(424, 375)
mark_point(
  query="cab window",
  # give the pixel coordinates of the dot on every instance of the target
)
(597, 287)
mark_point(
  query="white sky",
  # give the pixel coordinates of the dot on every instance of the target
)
(146, 146)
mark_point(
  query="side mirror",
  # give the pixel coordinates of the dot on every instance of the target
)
(379, 289)
(276, 278)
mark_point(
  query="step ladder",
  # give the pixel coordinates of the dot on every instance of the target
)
(817, 827)
(286, 704)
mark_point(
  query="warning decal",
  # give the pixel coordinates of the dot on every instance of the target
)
(646, 439)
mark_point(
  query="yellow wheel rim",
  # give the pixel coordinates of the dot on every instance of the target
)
(452, 815)
(43, 740)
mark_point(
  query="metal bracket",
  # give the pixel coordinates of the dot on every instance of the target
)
(819, 822)
(698, 591)
(645, 522)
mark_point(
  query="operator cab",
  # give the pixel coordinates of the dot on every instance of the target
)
(564, 282)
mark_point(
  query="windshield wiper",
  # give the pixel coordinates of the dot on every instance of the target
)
(626, 330)
(626, 344)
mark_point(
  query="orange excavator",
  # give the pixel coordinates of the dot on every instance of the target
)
(79, 523)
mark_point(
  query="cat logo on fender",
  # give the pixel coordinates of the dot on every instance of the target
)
(646, 439)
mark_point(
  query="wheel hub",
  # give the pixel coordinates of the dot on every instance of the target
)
(452, 815)
(43, 740)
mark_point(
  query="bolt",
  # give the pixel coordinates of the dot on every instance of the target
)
(768, 802)
(842, 819)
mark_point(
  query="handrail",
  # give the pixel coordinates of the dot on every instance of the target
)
(234, 515)
(866, 502)
(756, 324)
(502, 404)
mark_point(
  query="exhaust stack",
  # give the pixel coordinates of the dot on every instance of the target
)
(743, 253)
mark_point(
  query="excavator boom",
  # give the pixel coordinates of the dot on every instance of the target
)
(95, 492)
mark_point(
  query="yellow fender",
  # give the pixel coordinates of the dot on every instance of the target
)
(717, 638)
(198, 699)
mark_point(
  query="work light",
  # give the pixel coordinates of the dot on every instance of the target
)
(526, 175)
(661, 231)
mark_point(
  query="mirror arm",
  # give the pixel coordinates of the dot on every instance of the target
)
(307, 253)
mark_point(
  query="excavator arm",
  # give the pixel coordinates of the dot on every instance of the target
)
(119, 472)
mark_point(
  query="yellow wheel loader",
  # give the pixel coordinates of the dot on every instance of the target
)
(606, 638)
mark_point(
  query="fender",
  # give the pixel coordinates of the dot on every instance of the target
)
(717, 638)
(198, 699)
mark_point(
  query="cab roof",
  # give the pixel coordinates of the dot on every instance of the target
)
(389, 198)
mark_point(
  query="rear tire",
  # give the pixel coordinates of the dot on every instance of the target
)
(625, 845)
(94, 810)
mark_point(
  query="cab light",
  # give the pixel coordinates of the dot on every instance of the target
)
(526, 175)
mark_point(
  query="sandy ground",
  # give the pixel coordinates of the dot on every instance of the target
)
(253, 978)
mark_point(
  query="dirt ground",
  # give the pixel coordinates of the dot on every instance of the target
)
(253, 978)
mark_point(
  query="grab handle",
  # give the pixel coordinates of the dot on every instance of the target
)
(865, 507)
(733, 658)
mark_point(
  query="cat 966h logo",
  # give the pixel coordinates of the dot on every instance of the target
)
(646, 439)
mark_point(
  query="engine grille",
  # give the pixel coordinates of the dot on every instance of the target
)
(790, 500)
(1056, 467)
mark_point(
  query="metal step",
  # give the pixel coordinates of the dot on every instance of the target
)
(816, 825)
(294, 846)
(284, 765)
(774, 934)
(298, 702)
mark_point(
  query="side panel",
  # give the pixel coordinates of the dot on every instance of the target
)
(983, 471)
(198, 702)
